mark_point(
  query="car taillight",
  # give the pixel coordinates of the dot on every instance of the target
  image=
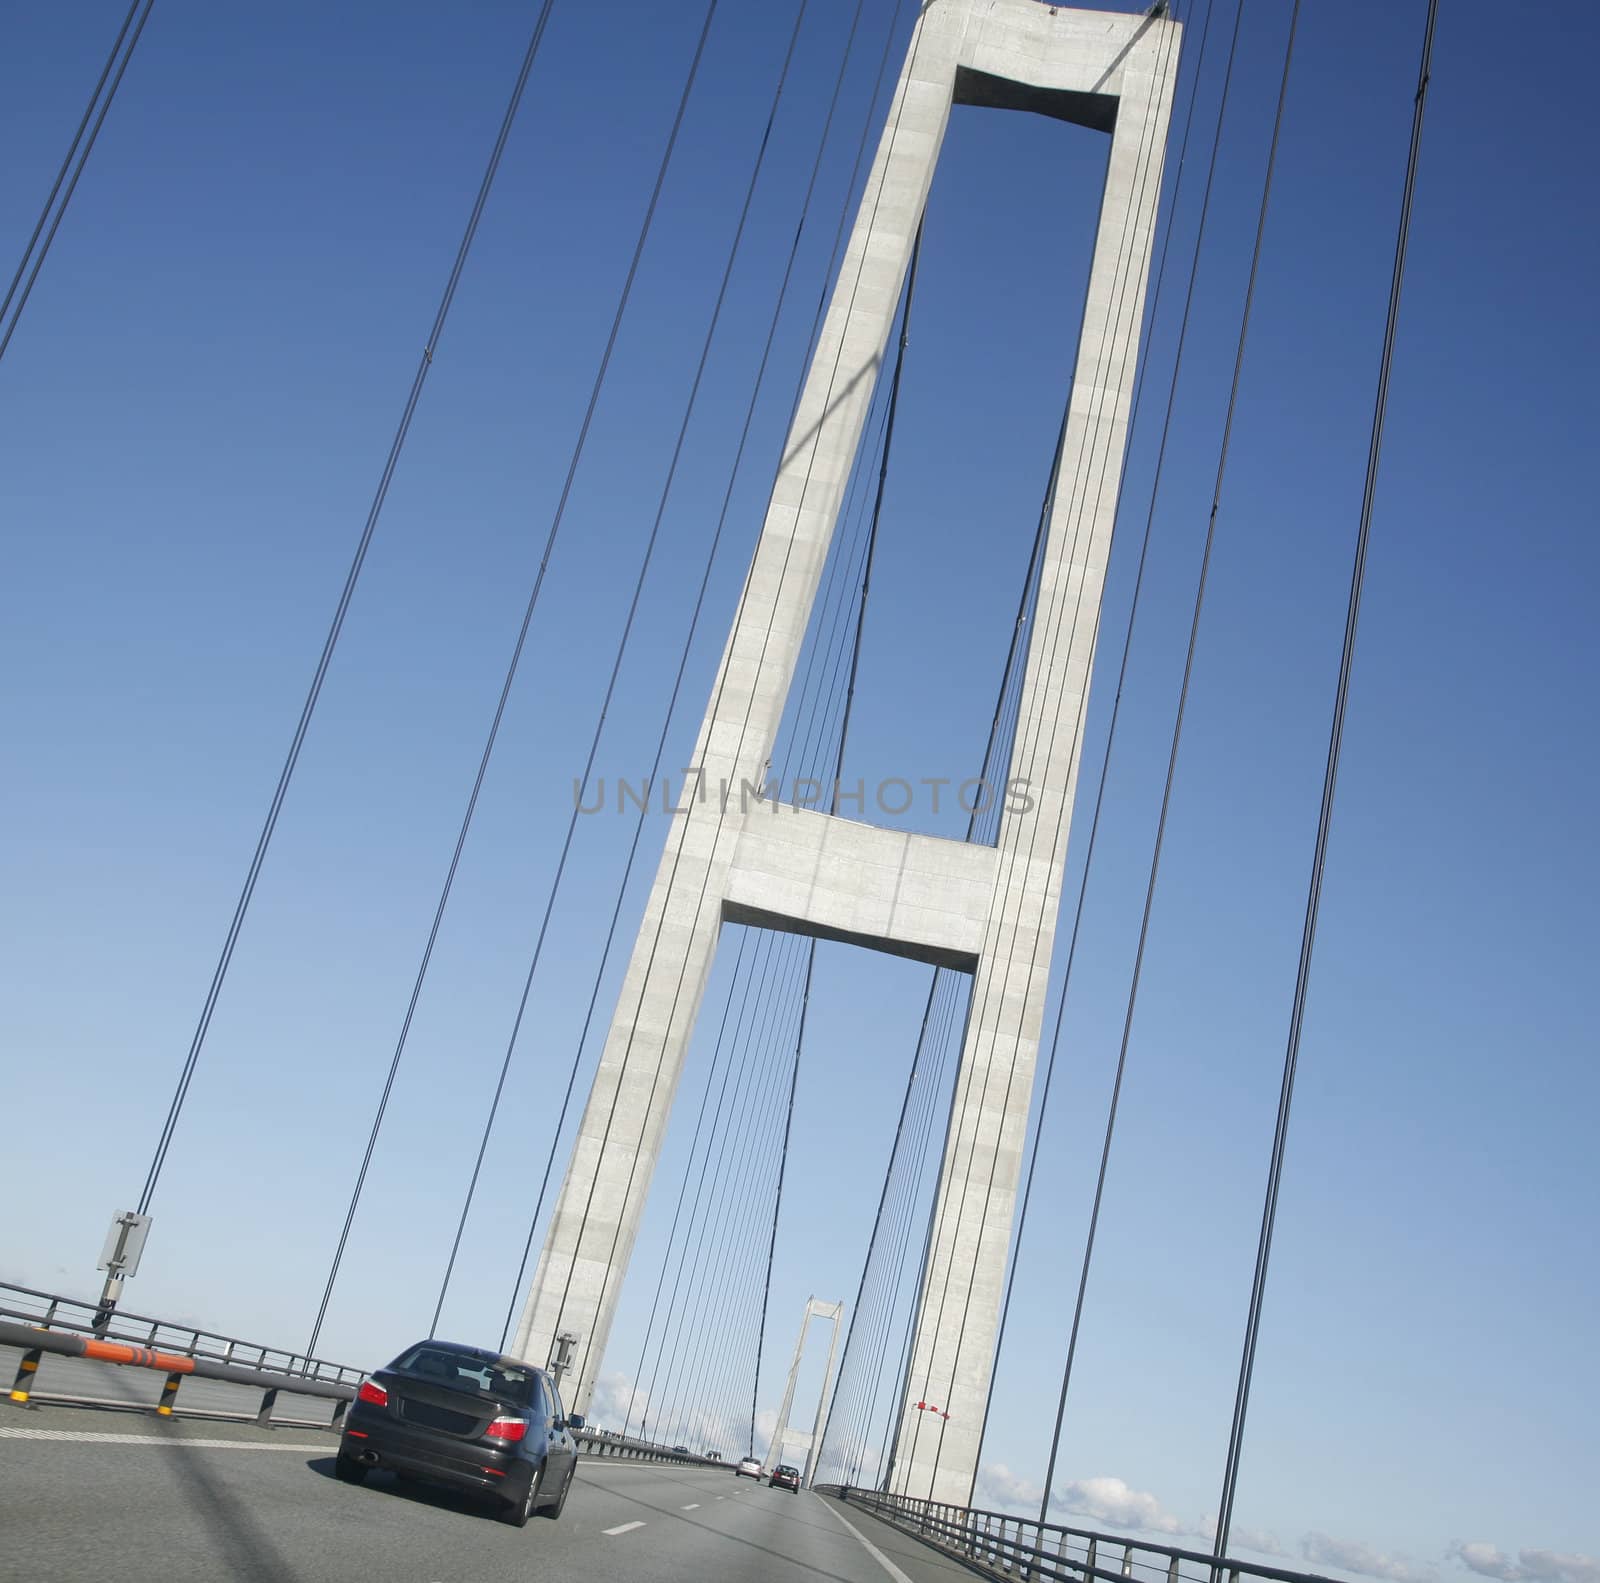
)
(507, 1429)
(373, 1393)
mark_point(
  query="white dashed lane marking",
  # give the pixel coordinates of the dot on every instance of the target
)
(693, 1506)
(624, 1528)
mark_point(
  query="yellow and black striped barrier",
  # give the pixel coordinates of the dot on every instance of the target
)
(35, 1341)
(22, 1386)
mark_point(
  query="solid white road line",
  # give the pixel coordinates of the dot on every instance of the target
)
(871, 1549)
(623, 1528)
(86, 1436)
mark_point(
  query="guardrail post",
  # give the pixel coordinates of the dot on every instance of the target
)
(22, 1386)
(1172, 1570)
(1089, 1559)
(269, 1400)
(1127, 1561)
(169, 1392)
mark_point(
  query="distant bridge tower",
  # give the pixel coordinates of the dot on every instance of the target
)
(814, 1310)
(989, 910)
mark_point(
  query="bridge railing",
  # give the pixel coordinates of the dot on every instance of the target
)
(41, 1324)
(593, 1444)
(1004, 1545)
(23, 1305)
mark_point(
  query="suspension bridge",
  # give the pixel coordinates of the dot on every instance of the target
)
(642, 1189)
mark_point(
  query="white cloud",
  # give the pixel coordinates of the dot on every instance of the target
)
(1000, 1490)
(1484, 1559)
(616, 1403)
(1245, 1538)
(1558, 1568)
(1353, 1556)
(1113, 1502)
(1540, 1566)
(613, 1395)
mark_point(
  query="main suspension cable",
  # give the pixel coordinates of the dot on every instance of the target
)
(1269, 1212)
(397, 445)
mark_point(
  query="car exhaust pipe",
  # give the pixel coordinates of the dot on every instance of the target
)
(368, 1459)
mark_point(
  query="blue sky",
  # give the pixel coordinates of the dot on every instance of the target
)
(192, 419)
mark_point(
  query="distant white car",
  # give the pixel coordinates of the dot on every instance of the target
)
(750, 1466)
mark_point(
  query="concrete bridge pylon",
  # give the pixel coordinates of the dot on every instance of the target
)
(987, 910)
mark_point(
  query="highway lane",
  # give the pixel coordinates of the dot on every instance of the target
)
(87, 1494)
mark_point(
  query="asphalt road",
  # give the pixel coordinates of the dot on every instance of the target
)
(88, 1494)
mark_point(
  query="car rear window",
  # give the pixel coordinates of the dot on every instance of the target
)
(458, 1372)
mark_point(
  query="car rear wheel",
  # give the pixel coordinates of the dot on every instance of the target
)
(558, 1505)
(348, 1469)
(517, 1513)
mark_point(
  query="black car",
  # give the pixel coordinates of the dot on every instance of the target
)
(785, 1477)
(469, 1418)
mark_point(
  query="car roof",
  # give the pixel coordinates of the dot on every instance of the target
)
(477, 1354)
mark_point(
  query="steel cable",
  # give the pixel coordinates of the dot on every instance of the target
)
(1011, 672)
(831, 648)
(891, 411)
(1122, 671)
(1177, 736)
(622, 645)
(683, 661)
(397, 445)
(516, 656)
(1079, 509)
(656, 1070)
(694, 1144)
(1269, 1212)
(17, 293)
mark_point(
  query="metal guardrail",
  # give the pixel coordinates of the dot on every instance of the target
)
(43, 1322)
(1003, 1545)
(21, 1304)
(36, 1340)
(598, 1445)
